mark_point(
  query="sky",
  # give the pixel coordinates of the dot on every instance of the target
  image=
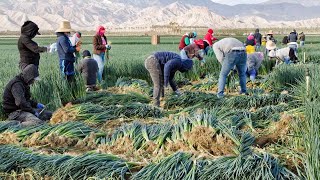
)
(234, 2)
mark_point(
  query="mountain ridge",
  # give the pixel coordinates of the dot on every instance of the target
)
(87, 14)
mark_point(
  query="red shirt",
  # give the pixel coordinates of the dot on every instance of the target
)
(209, 37)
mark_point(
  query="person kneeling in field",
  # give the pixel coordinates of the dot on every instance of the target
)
(254, 61)
(162, 67)
(88, 67)
(286, 55)
(231, 52)
(17, 103)
(197, 49)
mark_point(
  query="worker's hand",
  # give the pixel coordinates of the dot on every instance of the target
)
(40, 106)
(78, 48)
(108, 46)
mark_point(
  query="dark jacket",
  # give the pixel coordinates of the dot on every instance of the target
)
(293, 37)
(17, 94)
(98, 47)
(257, 37)
(285, 40)
(88, 67)
(28, 49)
(65, 52)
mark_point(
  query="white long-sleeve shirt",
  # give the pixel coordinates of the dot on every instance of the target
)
(224, 46)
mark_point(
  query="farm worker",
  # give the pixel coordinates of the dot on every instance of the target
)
(270, 37)
(250, 44)
(254, 61)
(17, 103)
(209, 39)
(194, 50)
(100, 48)
(162, 67)
(292, 39)
(75, 40)
(293, 36)
(302, 38)
(258, 39)
(230, 52)
(285, 40)
(270, 45)
(264, 40)
(66, 50)
(185, 40)
(195, 34)
(28, 49)
(88, 67)
(286, 55)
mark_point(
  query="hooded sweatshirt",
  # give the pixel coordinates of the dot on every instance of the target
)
(17, 94)
(209, 37)
(28, 49)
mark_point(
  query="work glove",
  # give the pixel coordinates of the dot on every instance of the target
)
(40, 106)
(108, 46)
(37, 114)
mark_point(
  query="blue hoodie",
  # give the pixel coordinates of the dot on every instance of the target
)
(65, 52)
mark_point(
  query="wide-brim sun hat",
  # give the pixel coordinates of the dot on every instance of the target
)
(270, 45)
(270, 32)
(65, 26)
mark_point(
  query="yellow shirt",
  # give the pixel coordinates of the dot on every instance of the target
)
(250, 49)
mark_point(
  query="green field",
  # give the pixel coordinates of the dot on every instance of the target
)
(274, 133)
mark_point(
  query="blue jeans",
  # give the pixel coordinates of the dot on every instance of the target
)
(100, 58)
(258, 46)
(287, 60)
(238, 59)
(61, 66)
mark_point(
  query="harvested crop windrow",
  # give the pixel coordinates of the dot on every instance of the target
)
(256, 101)
(65, 167)
(200, 133)
(252, 167)
(277, 131)
(196, 99)
(96, 114)
(62, 135)
(209, 85)
(107, 99)
(184, 166)
(134, 83)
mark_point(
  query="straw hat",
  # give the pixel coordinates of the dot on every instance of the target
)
(270, 45)
(65, 26)
(270, 32)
